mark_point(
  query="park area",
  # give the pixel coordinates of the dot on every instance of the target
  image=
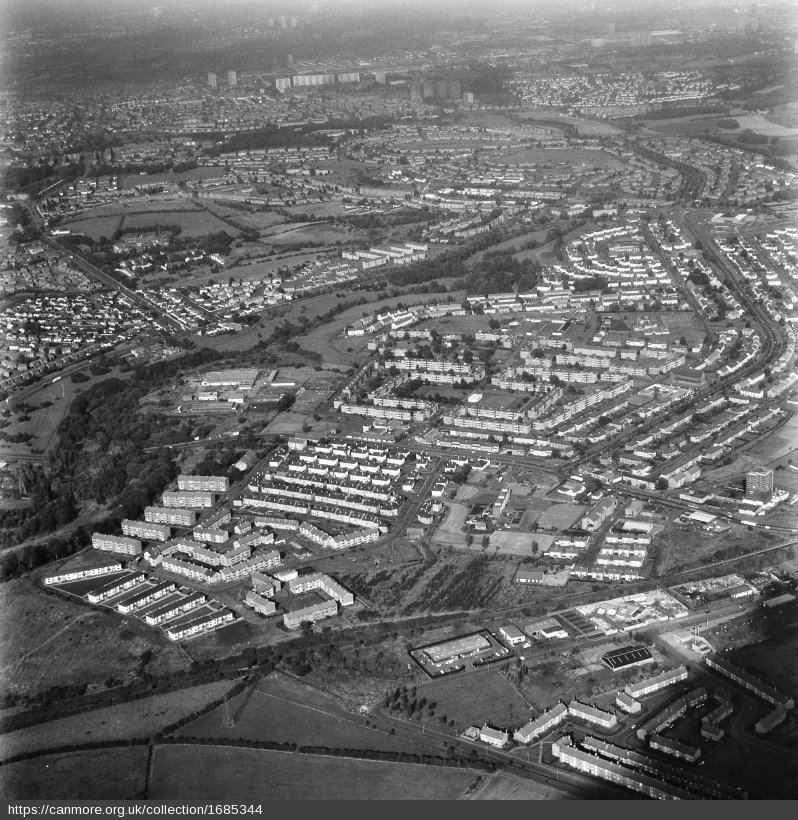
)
(188, 772)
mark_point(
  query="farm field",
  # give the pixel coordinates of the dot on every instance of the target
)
(476, 698)
(287, 712)
(101, 774)
(55, 641)
(136, 719)
(251, 775)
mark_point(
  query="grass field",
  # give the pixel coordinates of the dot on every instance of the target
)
(766, 660)
(503, 786)
(137, 719)
(49, 640)
(193, 223)
(285, 711)
(104, 774)
(252, 775)
(477, 698)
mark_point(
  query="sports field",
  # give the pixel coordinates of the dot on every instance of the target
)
(252, 775)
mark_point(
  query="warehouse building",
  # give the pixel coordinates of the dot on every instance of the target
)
(457, 648)
(627, 657)
(592, 714)
(654, 684)
(549, 628)
(542, 724)
(82, 574)
(512, 635)
(116, 543)
(146, 530)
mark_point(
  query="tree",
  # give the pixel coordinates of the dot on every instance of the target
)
(661, 483)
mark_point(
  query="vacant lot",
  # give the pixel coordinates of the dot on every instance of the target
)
(137, 719)
(48, 640)
(104, 774)
(477, 698)
(287, 712)
(252, 775)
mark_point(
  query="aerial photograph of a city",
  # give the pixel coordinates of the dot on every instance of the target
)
(398, 401)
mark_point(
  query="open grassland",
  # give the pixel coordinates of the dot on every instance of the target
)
(102, 774)
(285, 711)
(136, 719)
(203, 172)
(251, 775)
(474, 698)
(503, 786)
(192, 223)
(49, 641)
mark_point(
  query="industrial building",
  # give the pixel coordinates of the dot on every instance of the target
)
(457, 648)
(626, 657)
(116, 543)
